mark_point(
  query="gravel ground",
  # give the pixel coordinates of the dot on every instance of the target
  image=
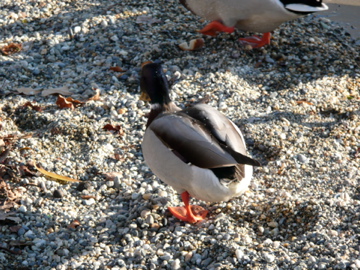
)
(297, 102)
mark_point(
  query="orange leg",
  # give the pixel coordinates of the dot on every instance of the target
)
(214, 27)
(256, 41)
(189, 213)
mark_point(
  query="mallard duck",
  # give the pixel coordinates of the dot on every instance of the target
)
(198, 151)
(250, 15)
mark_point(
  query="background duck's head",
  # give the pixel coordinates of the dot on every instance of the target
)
(154, 84)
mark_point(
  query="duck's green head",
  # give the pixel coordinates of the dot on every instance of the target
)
(154, 84)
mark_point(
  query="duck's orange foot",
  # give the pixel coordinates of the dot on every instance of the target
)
(214, 27)
(256, 41)
(197, 213)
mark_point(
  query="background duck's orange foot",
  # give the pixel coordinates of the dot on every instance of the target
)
(198, 213)
(214, 27)
(256, 41)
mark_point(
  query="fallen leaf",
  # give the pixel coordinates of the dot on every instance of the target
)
(117, 129)
(15, 228)
(96, 96)
(281, 169)
(16, 252)
(112, 175)
(301, 101)
(69, 102)
(11, 48)
(20, 243)
(4, 155)
(64, 90)
(32, 106)
(9, 196)
(147, 19)
(25, 171)
(117, 69)
(74, 224)
(9, 216)
(118, 157)
(55, 176)
(28, 90)
(87, 197)
(194, 44)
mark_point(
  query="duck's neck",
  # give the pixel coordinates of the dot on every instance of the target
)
(157, 109)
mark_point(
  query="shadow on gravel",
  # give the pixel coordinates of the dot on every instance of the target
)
(87, 46)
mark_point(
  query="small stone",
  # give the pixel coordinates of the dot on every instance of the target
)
(114, 38)
(273, 224)
(145, 213)
(65, 48)
(176, 264)
(58, 194)
(188, 256)
(82, 186)
(89, 202)
(239, 254)
(268, 257)
(150, 219)
(302, 158)
(21, 231)
(357, 263)
(29, 234)
(22, 209)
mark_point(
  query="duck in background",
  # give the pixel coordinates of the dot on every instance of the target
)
(198, 151)
(260, 16)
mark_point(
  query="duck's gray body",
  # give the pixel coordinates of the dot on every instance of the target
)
(181, 151)
(251, 15)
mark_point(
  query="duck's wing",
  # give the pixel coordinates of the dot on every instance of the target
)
(192, 141)
(223, 129)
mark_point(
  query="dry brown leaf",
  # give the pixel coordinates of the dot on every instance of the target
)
(64, 90)
(32, 106)
(96, 96)
(9, 194)
(302, 101)
(87, 197)
(112, 175)
(117, 69)
(15, 228)
(69, 102)
(11, 48)
(118, 157)
(4, 155)
(9, 216)
(194, 44)
(116, 129)
(55, 176)
(25, 171)
(28, 90)
(74, 224)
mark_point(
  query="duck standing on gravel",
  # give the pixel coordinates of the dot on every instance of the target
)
(250, 15)
(197, 150)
